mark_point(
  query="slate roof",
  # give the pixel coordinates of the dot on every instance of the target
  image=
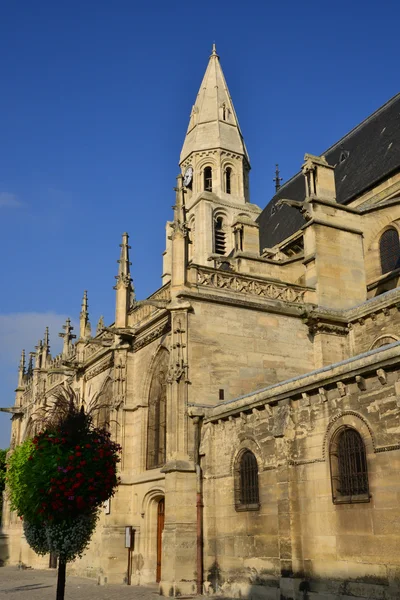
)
(373, 153)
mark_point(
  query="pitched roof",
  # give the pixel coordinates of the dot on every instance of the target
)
(363, 157)
(213, 121)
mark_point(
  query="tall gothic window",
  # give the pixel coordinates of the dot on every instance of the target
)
(389, 247)
(228, 180)
(246, 482)
(208, 179)
(103, 406)
(156, 423)
(349, 467)
(219, 236)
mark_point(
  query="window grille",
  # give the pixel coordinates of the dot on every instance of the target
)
(208, 179)
(246, 484)
(349, 467)
(389, 250)
(228, 180)
(156, 423)
(219, 237)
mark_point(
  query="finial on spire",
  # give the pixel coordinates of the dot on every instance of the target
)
(68, 336)
(84, 324)
(214, 50)
(277, 179)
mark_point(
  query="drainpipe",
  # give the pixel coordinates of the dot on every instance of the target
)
(199, 505)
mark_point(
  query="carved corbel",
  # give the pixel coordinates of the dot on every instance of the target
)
(382, 377)
(322, 394)
(342, 388)
(361, 383)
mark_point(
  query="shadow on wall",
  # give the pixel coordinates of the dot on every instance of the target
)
(4, 550)
(298, 588)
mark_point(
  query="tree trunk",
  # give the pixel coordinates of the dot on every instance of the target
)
(62, 567)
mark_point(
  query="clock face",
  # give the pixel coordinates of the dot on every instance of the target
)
(187, 178)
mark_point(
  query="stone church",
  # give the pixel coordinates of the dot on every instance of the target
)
(256, 394)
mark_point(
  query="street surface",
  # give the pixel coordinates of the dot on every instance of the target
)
(32, 584)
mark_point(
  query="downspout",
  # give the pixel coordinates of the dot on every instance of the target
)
(199, 505)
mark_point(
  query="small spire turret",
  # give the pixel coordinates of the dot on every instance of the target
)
(100, 325)
(125, 292)
(21, 369)
(38, 354)
(84, 323)
(29, 371)
(45, 347)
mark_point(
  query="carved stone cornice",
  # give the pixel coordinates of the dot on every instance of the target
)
(273, 290)
(99, 368)
(318, 325)
(151, 335)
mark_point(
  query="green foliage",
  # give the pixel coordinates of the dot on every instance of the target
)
(67, 539)
(17, 478)
(3, 454)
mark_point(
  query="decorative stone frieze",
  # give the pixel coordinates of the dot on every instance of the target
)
(247, 285)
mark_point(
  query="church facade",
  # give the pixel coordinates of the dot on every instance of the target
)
(256, 394)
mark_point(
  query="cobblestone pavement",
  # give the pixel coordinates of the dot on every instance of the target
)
(32, 584)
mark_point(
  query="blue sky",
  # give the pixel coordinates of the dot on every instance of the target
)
(94, 105)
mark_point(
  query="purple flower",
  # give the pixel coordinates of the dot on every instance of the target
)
(60, 469)
(71, 497)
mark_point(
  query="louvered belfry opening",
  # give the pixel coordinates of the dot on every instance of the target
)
(208, 179)
(247, 493)
(228, 180)
(156, 424)
(389, 247)
(349, 467)
(219, 237)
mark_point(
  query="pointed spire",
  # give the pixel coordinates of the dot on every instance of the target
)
(38, 354)
(84, 323)
(29, 370)
(45, 347)
(277, 179)
(213, 121)
(21, 369)
(100, 325)
(68, 336)
(125, 292)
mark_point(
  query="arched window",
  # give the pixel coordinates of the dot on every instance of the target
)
(102, 411)
(389, 247)
(246, 482)
(228, 180)
(208, 179)
(156, 423)
(219, 237)
(349, 467)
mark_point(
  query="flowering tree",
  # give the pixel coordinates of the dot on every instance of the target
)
(58, 480)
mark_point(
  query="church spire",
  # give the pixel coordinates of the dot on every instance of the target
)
(213, 121)
(125, 295)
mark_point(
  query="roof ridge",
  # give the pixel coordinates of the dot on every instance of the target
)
(364, 122)
(347, 135)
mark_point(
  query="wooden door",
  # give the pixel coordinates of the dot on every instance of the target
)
(160, 527)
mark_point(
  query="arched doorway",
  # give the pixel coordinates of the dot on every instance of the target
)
(160, 528)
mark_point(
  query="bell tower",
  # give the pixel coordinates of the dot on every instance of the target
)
(215, 167)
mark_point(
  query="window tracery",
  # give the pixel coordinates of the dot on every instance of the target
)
(156, 422)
